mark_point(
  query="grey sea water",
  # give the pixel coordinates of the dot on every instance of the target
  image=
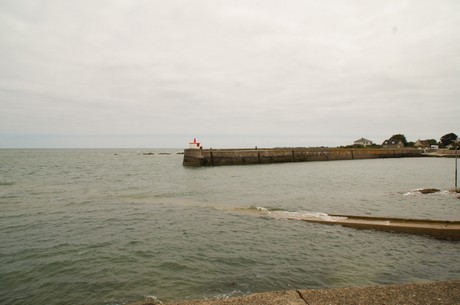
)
(116, 226)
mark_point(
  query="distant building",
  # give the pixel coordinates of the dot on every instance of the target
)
(364, 142)
(422, 144)
(454, 144)
(393, 144)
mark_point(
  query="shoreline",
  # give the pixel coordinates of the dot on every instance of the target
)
(439, 293)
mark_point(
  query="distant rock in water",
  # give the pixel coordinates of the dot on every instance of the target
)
(164, 153)
(148, 154)
(429, 191)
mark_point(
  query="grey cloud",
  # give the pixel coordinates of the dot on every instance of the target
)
(301, 71)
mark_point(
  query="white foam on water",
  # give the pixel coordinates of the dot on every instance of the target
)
(153, 299)
(413, 192)
(418, 191)
(223, 296)
(300, 215)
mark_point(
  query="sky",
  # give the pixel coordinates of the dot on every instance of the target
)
(231, 73)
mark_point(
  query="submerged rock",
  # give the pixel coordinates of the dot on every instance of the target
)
(429, 191)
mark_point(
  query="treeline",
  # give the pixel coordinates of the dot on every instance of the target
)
(450, 141)
(446, 141)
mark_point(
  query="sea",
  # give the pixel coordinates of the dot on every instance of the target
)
(116, 226)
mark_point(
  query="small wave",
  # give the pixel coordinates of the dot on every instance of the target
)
(297, 215)
(263, 209)
(6, 183)
(152, 298)
(253, 207)
(223, 296)
(148, 299)
(306, 215)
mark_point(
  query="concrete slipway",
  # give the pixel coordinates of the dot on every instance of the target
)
(434, 293)
(440, 229)
(434, 228)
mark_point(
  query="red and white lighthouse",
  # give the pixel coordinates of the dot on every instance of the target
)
(195, 144)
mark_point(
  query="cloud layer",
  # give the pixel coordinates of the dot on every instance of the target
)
(233, 73)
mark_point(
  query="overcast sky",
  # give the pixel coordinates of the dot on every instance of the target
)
(133, 73)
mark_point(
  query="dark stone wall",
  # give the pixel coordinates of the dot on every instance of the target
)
(215, 157)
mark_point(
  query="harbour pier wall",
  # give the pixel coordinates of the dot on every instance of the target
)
(217, 157)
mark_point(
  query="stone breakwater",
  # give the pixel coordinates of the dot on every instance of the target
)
(216, 157)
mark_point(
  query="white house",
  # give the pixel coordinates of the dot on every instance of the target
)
(422, 143)
(364, 142)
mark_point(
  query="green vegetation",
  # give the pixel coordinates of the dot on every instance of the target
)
(445, 141)
(399, 137)
(448, 139)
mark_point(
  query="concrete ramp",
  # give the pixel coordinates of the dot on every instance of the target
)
(435, 228)
(440, 229)
(435, 293)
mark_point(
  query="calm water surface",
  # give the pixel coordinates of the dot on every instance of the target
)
(115, 226)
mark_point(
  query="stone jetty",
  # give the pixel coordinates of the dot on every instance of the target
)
(216, 157)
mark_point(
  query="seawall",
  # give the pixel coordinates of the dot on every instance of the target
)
(217, 157)
(435, 293)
